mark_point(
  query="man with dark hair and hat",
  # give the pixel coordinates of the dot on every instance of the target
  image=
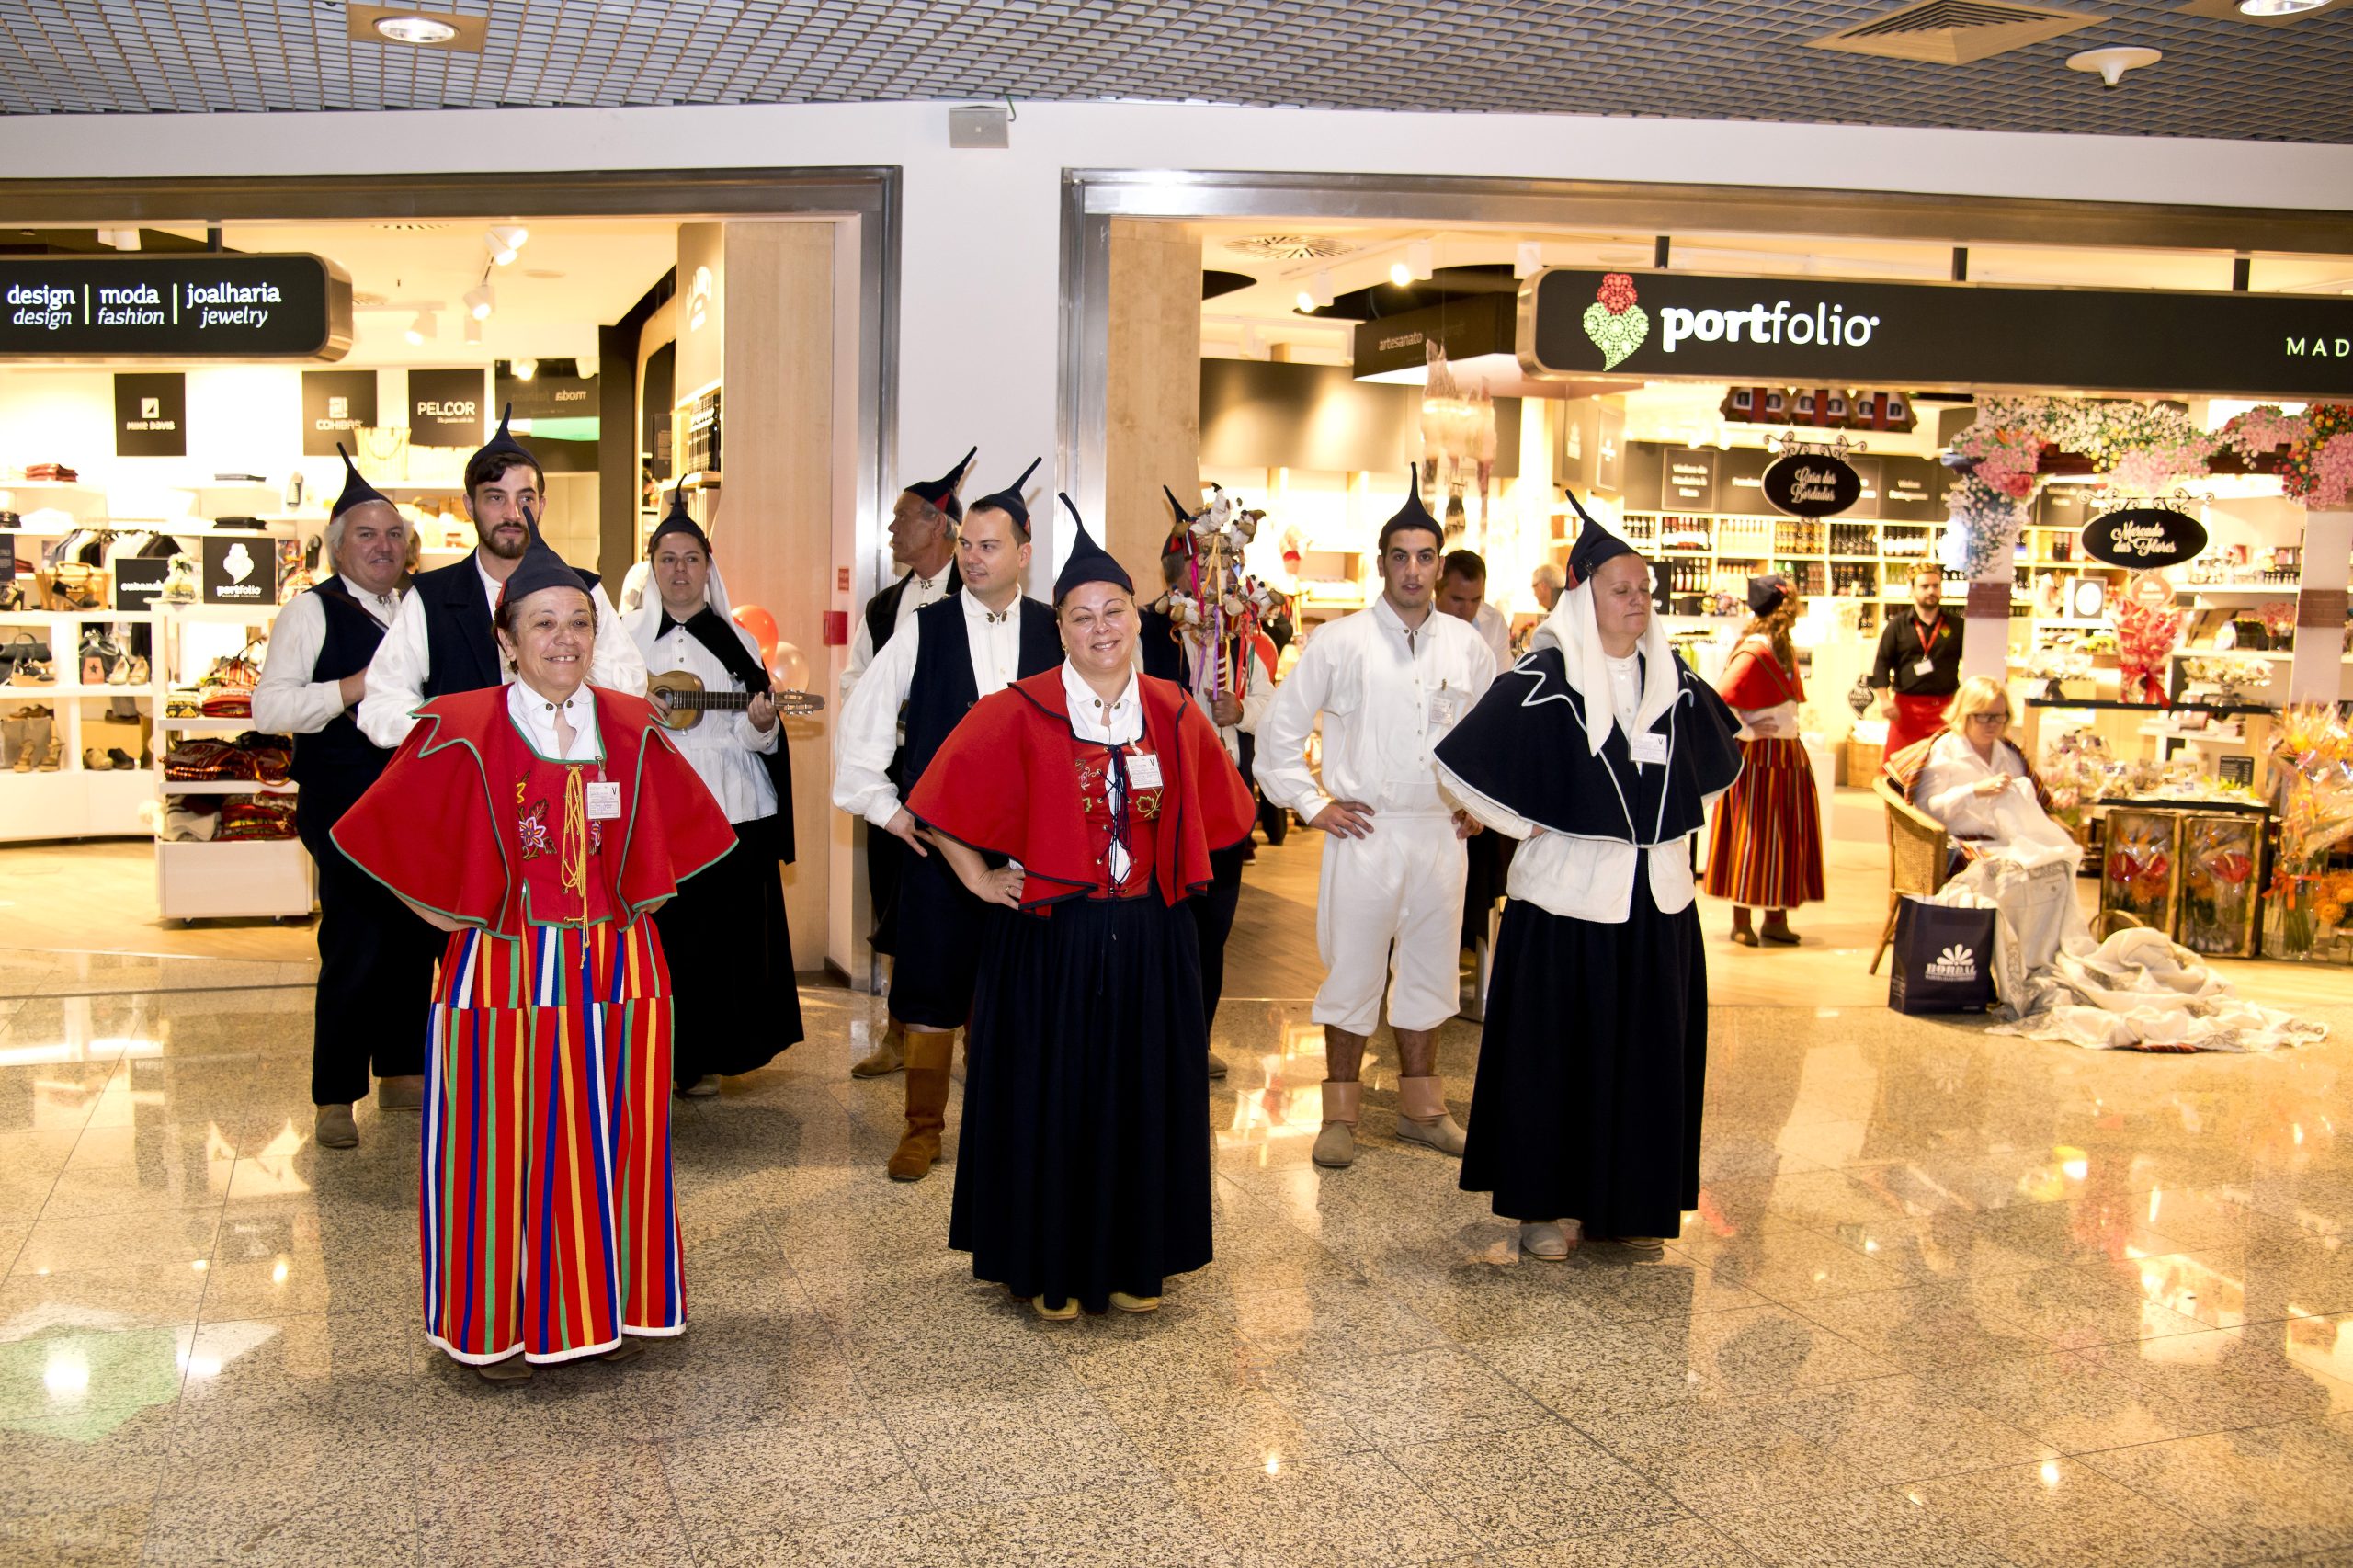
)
(939, 662)
(1169, 652)
(375, 957)
(1082, 804)
(442, 640)
(1600, 752)
(726, 935)
(923, 539)
(1389, 682)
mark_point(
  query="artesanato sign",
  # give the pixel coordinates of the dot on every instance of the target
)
(2145, 538)
(1811, 485)
(1575, 325)
(192, 306)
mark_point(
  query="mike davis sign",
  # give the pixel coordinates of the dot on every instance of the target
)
(1575, 324)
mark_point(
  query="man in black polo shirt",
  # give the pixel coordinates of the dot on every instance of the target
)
(1918, 666)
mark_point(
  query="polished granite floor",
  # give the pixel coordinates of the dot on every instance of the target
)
(1949, 1299)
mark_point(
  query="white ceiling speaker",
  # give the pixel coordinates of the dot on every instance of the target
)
(506, 242)
(2114, 60)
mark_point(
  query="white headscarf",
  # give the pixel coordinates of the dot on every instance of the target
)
(1573, 630)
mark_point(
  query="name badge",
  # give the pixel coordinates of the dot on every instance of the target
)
(1924, 667)
(1446, 706)
(1143, 770)
(604, 801)
(1647, 748)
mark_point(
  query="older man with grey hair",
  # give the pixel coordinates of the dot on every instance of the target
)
(375, 957)
(1546, 584)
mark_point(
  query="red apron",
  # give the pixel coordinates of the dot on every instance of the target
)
(1917, 719)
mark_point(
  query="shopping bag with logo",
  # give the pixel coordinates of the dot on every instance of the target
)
(1944, 958)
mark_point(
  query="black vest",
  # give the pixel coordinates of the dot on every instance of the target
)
(461, 648)
(942, 690)
(336, 766)
(882, 610)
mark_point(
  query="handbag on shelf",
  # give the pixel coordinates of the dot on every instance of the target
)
(24, 648)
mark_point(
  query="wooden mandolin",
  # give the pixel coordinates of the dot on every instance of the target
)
(679, 700)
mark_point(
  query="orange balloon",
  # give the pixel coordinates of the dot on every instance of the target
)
(759, 624)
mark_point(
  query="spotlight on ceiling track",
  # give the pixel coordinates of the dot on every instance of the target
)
(506, 242)
(426, 326)
(480, 300)
(473, 330)
(1316, 294)
(523, 369)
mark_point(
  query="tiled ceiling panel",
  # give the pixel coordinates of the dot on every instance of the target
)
(1742, 60)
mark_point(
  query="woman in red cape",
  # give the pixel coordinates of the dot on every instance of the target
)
(539, 823)
(1766, 848)
(1083, 1172)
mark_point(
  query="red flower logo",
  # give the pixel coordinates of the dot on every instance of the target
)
(1616, 292)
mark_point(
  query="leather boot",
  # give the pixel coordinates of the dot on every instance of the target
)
(928, 1055)
(886, 1057)
(1422, 1116)
(1335, 1145)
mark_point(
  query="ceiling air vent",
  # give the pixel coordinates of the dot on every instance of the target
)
(1291, 248)
(1954, 32)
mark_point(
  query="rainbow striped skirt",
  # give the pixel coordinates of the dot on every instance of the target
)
(547, 1218)
(1765, 849)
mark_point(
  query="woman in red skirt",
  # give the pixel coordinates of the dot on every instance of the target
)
(1766, 849)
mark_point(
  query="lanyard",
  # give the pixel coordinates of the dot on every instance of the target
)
(1928, 634)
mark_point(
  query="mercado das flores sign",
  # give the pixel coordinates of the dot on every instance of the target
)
(2145, 538)
(198, 305)
(1577, 323)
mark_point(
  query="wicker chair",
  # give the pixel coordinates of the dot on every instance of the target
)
(1918, 857)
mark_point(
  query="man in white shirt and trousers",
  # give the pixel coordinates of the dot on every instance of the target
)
(923, 539)
(441, 641)
(375, 988)
(1389, 682)
(936, 665)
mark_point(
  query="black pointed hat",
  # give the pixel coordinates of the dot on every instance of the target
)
(941, 492)
(1089, 561)
(1177, 507)
(1180, 534)
(502, 443)
(1595, 544)
(677, 520)
(1008, 500)
(1413, 514)
(356, 492)
(540, 568)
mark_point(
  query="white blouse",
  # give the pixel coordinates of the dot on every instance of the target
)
(1947, 789)
(535, 715)
(725, 749)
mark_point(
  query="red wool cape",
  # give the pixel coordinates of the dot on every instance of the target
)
(1003, 783)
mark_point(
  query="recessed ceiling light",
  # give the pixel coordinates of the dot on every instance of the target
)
(414, 29)
(2278, 7)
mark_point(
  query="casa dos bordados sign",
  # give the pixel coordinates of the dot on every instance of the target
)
(195, 305)
(1577, 324)
(2145, 538)
(1811, 485)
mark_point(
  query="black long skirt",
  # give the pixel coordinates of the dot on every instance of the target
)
(732, 989)
(1592, 1070)
(1084, 1164)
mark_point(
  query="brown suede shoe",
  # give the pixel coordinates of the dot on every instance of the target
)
(334, 1129)
(887, 1057)
(404, 1091)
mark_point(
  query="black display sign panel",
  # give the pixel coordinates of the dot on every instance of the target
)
(1688, 479)
(1868, 472)
(1740, 479)
(138, 579)
(151, 414)
(1575, 323)
(547, 395)
(1464, 328)
(335, 404)
(189, 306)
(2062, 506)
(240, 569)
(2145, 538)
(1912, 490)
(446, 408)
(1809, 486)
